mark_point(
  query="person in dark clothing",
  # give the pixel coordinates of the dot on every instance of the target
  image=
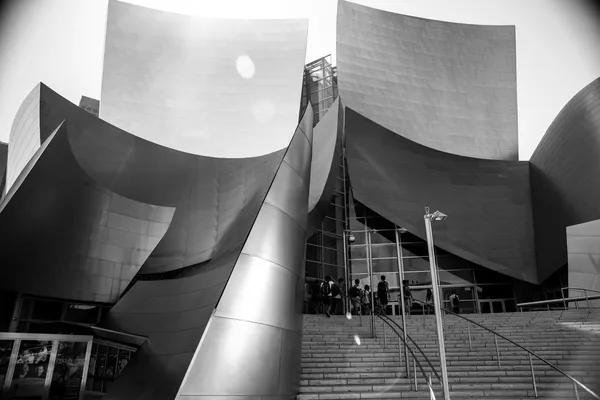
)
(408, 297)
(326, 287)
(455, 302)
(356, 294)
(383, 293)
(336, 296)
(429, 301)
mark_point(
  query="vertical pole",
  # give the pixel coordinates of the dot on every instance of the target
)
(533, 376)
(347, 308)
(469, 332)
(384, 334)
(497, 350)
(562, 293)
(576, 392)
(437, 307)
(370, 268)
(401, 277)
(415, 369)
(400, 352)
(431, 395)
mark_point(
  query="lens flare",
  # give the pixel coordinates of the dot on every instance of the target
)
(357, 339)
(349, 315)
(245, 67)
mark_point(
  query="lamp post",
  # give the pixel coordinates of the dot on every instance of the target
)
(370, 272)
(348, 238)
(437, 216)
(397, 232)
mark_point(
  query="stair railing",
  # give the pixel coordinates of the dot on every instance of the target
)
(531, 354)
(381, 314)
(534, 305)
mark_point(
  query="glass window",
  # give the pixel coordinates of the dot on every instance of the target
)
(357, 224)
(331, 256)
(6, 347)
(111, 367)
(418, 278)
(100, 368)
(495, 291)
(47, 310)
(387, 265)
(464, 277)
(332, 242)
(358, 252)
(383, 251)
(415, 264)
(383, 236)
(358, 266)
(418, 249)
(312, 270)
(68, 370)
(31, 369)
(313, 253)
(81, 313)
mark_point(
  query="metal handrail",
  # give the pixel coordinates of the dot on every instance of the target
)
(391, 323)
(531, 353)
(564, 300)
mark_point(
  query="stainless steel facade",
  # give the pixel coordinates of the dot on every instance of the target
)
(176, 79)
(489, 200)
(565, 184)
(448, 86)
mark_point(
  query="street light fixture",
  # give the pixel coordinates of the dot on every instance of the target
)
(437, 216)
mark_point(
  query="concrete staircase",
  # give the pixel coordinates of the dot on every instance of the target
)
(340, 360)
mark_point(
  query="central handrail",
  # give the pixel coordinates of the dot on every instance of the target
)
(531, 353)
(377, 310)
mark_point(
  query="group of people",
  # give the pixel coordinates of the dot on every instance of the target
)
(326, 297)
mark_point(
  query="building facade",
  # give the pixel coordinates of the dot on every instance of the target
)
(138, 262)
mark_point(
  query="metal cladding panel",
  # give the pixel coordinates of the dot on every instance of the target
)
(254, 336)
(583, 245)
(3, 160)
(488, 202)
(24, 139)
(79, 240)
(448, 86)
(181, 80)
(565, 184)
(324, 170)
(209, 194)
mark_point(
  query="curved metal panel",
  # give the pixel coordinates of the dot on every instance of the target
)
(208, 193)
(565, 184)
(583, 245)
(174, 313)
(3, 160)
(24, 139)
(177, 80)
(247, 326)
(488, 202)
(78, 239)
(324, 170)
(448, 86)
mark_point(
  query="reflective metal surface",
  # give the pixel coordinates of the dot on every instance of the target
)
(583, 248)
(448, 86)
(565, 185)
(3, 160)
(78, 239)
(324, 170)
(24, 136)
(249, 328)
(181, 81)
(489, 201)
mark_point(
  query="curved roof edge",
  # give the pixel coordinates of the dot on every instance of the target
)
(488, 201)
(565, 182)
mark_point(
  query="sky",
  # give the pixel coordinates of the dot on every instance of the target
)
(61, 43)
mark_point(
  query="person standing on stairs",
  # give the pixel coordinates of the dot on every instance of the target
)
(355, 293)
(367, 300)
(455, 302)
(383, 293)
(336, 296)
(326, 296)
